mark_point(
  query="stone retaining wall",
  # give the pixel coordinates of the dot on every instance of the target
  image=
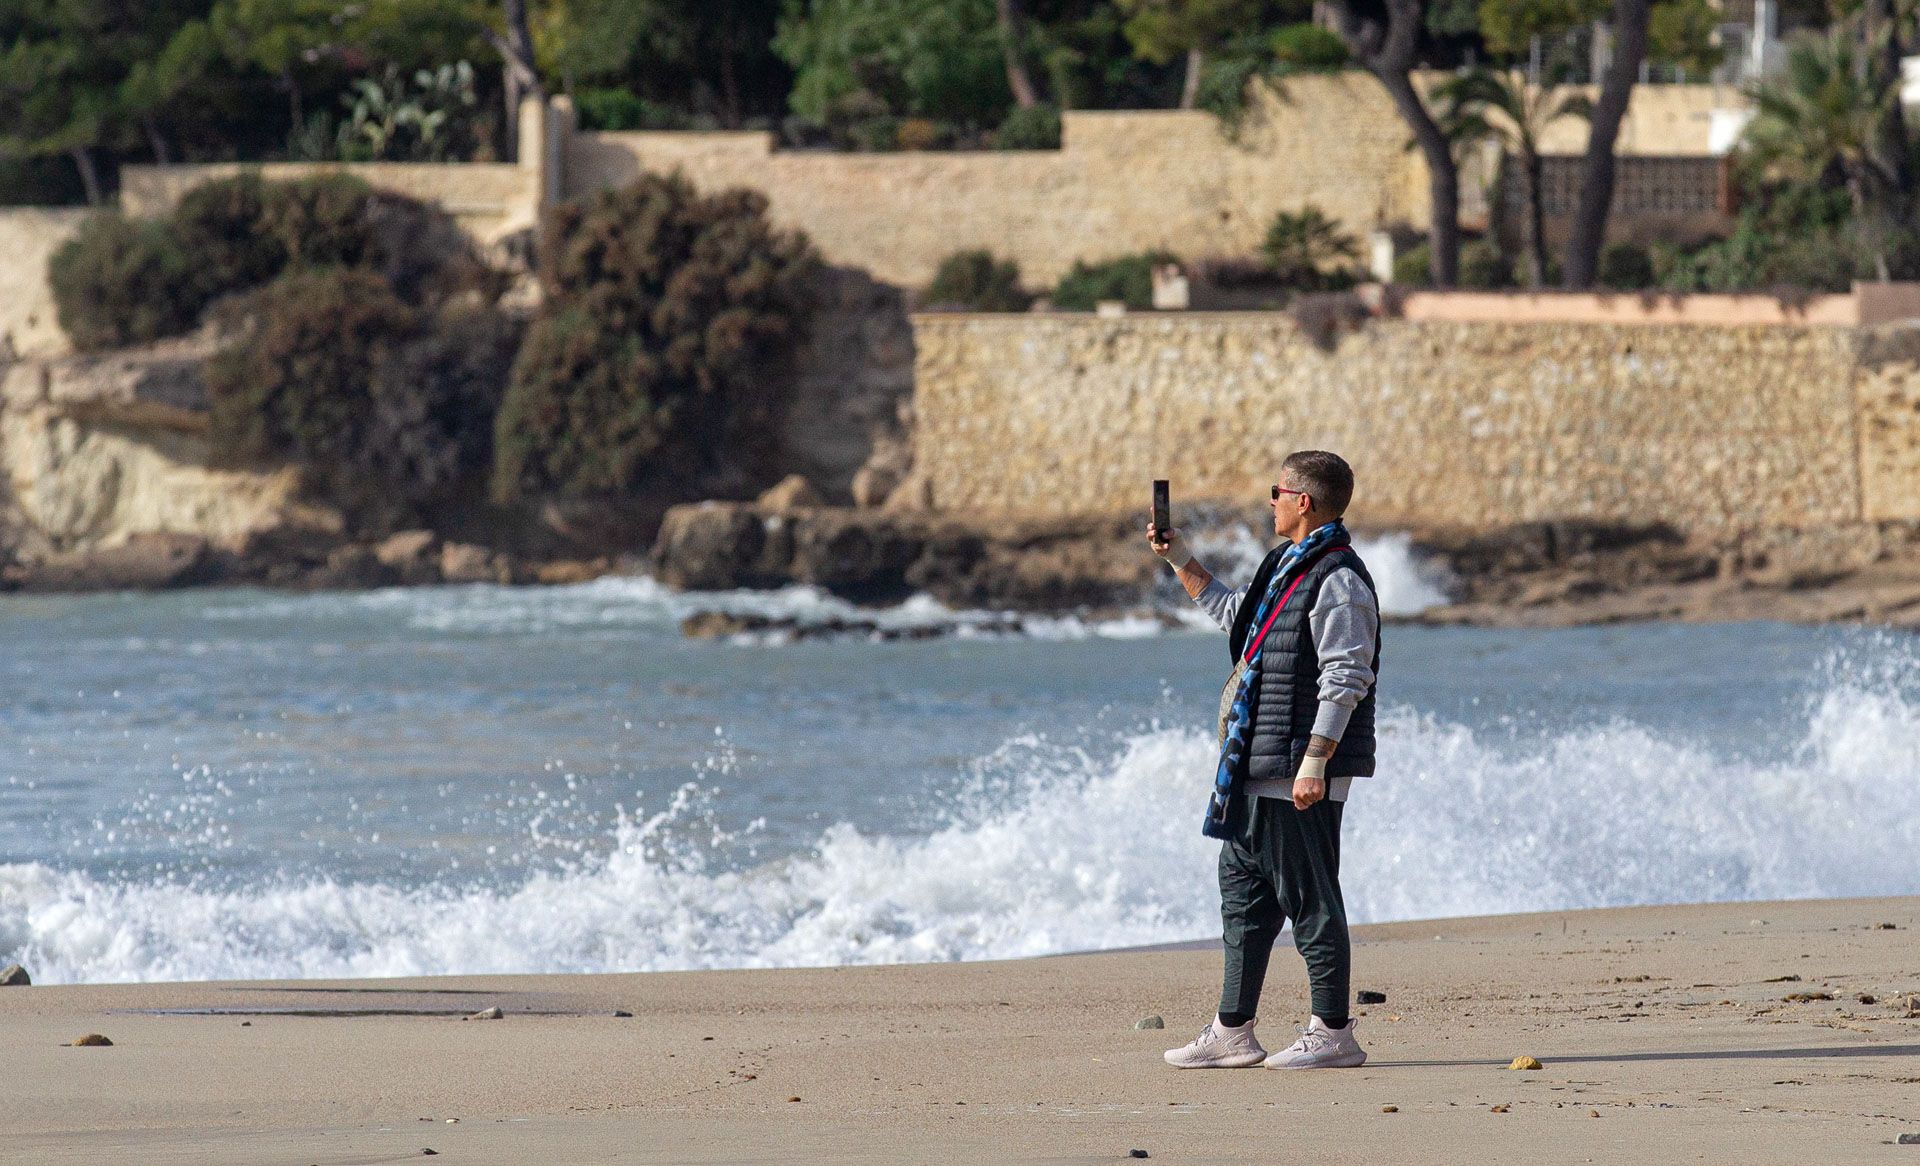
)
(1447, 424)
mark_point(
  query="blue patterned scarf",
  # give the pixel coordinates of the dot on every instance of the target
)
(1239, 733)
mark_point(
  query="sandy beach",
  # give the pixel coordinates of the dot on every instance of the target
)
(1667, 1034)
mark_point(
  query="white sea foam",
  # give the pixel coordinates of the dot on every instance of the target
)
(1060, 848)
(1408, 584)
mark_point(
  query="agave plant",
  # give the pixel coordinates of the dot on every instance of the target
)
(1482, 105)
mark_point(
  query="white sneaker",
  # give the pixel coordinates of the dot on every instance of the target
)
(1220, 1047)
(1320, 1047)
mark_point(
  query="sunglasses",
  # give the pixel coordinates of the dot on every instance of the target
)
(1279, 490)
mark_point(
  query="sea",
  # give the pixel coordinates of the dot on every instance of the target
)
(242, 784)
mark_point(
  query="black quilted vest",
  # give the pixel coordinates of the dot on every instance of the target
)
(1287, 695)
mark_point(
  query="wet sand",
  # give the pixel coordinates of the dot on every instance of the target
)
(1666, 1034)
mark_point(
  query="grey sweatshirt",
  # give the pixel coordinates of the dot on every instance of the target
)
(1346, 635)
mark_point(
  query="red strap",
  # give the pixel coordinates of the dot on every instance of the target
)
(1282, 605)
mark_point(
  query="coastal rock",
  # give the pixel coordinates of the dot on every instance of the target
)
(711, 546)
(1367, 996)
(145, 562)
(14, 976)
(1524, 1062)
(492, 1013)
(1147, 1022)
(410, 554)
(91, 1040)
(793, 492)
(466, 563)
(354, 567)
(863, 561)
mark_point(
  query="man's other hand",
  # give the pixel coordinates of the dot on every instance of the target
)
(1310, 783)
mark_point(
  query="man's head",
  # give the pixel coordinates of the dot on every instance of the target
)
(1314, 488)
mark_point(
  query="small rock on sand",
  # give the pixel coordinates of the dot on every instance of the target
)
(1885, 927)
(1593, 1113)
(792, 1099)
(1138, 1154)
(1524, 1063)
(622, 1013)
(493, 1013)
(1499, 1108)
(92, 1040)
(14, 976)
(1147, 1022)
(1371, 997)
(1389, 1109)
(1909, 1140)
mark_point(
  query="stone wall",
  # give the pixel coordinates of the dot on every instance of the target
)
(489, 200)
(28, 235)
(1121, 181)
(1447, 423)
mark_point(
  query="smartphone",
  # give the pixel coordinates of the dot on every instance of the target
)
(1162, 507)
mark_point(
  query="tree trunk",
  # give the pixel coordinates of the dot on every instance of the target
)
(519, 81)
(1387, 44)
(1533, 169)
(1596, 172)
(89, 174)
(294, 109)
(1196, 63)
(1443, 176)
(161, 155)
(1883, 20)
(1013, 36)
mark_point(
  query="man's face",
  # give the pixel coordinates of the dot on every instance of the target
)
(1290, 509)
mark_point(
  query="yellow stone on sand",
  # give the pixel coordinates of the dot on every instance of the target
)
(1524, 1063)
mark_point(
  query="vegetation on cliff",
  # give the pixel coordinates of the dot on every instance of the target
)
(652, 361)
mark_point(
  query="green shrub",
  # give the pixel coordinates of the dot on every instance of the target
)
(615, 109)
(219, 224)
(120, 282)
(1308, 250)
(382, 405)
(1035, 127)
(1626, 267)
(123, 281)
(1414, 266)
(667, 314)
(977, 282)
(1128, 278)
(1483, 267)
(1308, 47)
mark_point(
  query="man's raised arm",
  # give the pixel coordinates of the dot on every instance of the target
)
(1214, 597)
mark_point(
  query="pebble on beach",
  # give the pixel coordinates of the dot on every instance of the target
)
(493, 1013)
(14, 976)
(92, 1040)
(1524, 1062)
(1389, 1109)
(1138, 1154)
(1147, 1022)
(1910, 1139)
(1368, 996)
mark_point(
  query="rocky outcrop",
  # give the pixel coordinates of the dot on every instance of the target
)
(850, 379)
(98, 452)
(873, 557)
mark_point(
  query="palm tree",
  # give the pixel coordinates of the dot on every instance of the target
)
(1826, 112)
(1482, 105)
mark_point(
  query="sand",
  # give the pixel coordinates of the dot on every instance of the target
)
(1664, 1032)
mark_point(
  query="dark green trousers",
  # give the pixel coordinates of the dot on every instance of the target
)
(1285, 865)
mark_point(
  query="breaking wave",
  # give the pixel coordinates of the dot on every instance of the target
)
(1057, 847)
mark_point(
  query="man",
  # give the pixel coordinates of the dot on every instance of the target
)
(1302, 728)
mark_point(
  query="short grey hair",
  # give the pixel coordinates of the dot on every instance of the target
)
(1325, 477)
